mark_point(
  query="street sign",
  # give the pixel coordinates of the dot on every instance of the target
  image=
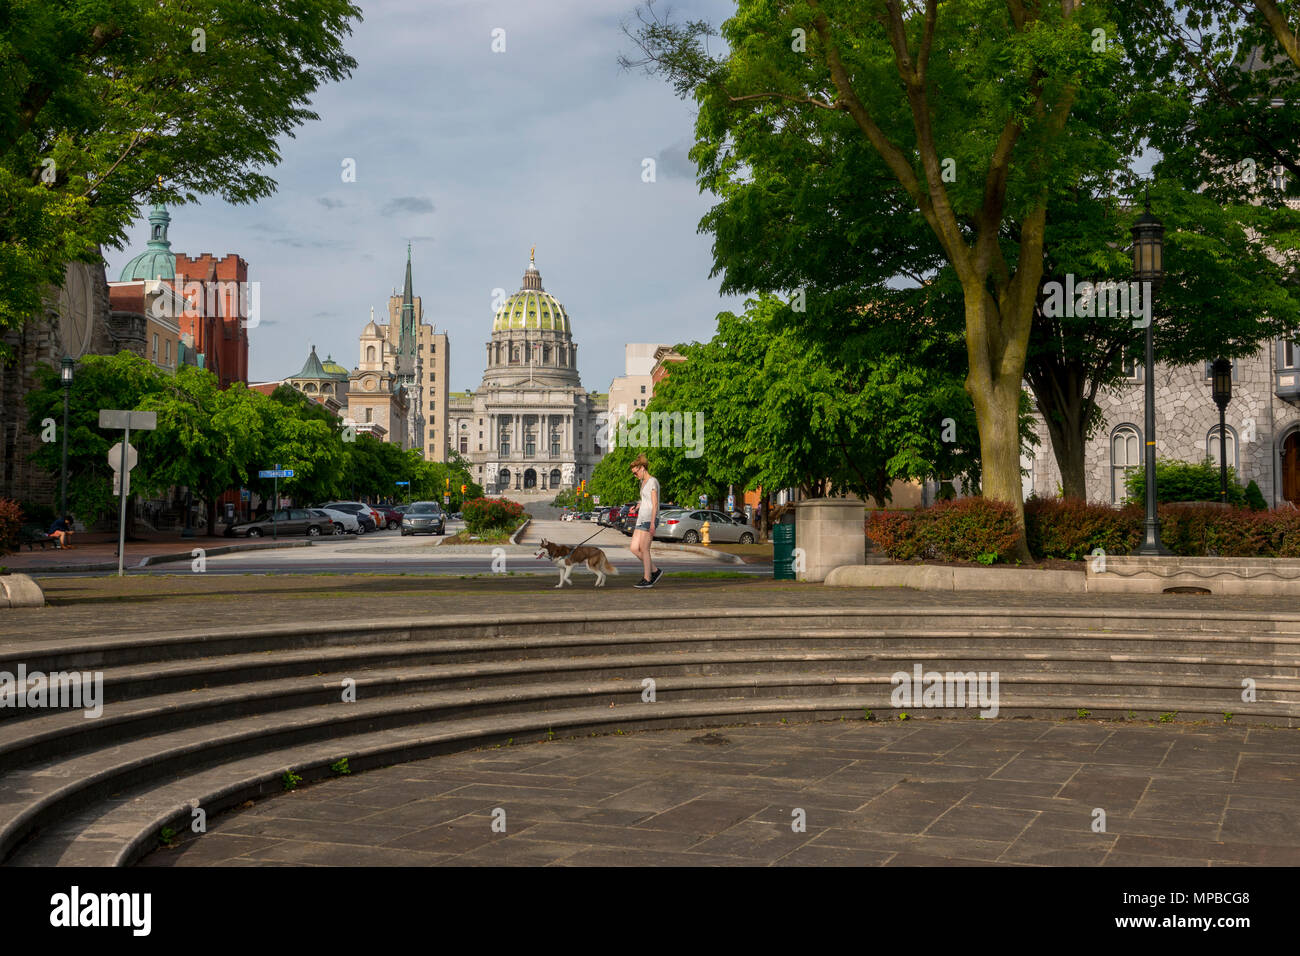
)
(731, 503)
(117, 483)
(115, 457)
(401, 482)
(123, 418)
(446, 499)
(275, 473)
(704, 500)
(595, 499)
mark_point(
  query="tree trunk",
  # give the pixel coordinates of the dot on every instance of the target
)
(997, 363)
(1066, 427)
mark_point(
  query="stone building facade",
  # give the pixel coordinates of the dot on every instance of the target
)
(530, 429)
(1263, 428)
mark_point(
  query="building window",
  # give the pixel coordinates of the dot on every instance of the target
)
(1125, 456)
(368, 414)
(642, 389)
(464, 446)
(530, 445)
(167, 351)
(155, 346)
(1209, 370)
(505, 447)
(370, 353)
(1212, 447)
(1291, 353)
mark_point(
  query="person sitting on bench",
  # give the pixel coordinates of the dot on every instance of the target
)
(61, 531)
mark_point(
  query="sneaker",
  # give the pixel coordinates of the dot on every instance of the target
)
(643, 583)
(655, 577)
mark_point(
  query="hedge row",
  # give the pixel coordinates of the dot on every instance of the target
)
(976, 529)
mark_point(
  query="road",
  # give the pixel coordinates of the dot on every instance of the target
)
(387, 552)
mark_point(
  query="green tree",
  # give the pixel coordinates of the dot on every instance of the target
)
(101, 99)
(121, 381)
(968, 107)
(205, 440)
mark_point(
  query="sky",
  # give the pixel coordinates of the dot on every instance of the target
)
(474, 156)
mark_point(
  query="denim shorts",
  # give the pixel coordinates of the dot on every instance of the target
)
(643, 526)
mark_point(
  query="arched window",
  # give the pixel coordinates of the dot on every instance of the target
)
(311, 386)
(370, 353)
(1125, 456)
(1212, 447)
(555, 477)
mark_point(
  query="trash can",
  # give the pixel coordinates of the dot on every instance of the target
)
(783, 552)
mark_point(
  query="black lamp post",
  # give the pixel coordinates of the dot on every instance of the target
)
(1148, 268)
(1221, 389)
(65, 374)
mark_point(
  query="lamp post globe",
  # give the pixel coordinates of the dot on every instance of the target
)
(66, 367)
(1149, 268)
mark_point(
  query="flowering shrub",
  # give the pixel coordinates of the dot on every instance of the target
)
(1071, 529)
(977, 529)
(967, 529)
(11, 524)
(492, 515)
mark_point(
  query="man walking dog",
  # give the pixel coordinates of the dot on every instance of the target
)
(646, 513)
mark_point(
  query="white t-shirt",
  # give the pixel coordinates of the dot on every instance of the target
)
(648, 487)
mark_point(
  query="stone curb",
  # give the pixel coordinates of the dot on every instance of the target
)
(941, 578)
(708, 552)
(514, 538)
(164, 558)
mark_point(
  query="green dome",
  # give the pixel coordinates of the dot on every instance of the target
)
(333, 369)
(532, 307)
(157, 261)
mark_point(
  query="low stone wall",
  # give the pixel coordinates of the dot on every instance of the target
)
(1232, 576)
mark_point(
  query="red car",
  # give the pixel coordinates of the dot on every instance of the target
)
(389, 518)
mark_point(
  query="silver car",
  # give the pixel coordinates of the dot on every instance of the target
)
(685, 526)
(344, 522)
(424, 517)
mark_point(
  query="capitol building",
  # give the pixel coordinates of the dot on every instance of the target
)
(530, 429)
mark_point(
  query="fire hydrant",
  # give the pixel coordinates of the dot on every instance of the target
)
(704, 533)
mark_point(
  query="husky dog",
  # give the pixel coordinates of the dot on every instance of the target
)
(565, 558)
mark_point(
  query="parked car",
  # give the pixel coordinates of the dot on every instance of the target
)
(457, 517)
(627, 519)
(344, 522)
(424, 517)
(392, 517)
(287, 521)
(369, 518)
(401, 509)
(684, 526)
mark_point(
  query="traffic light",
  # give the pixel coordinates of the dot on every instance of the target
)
(463, 489)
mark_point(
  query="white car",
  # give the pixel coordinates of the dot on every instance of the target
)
(344, 523)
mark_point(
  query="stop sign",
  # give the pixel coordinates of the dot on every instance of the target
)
(115, 457)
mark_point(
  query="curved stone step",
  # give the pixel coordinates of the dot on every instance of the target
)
(49, 733)
(35, 795)
(120, 832)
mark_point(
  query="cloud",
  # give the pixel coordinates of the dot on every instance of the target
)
(674, 162)
(329, 203)
(412, 204)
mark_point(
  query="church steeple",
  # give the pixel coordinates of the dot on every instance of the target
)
(408, 304)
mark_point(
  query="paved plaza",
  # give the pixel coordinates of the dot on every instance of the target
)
(915, 793)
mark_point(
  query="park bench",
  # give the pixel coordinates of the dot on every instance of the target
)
(31, 535)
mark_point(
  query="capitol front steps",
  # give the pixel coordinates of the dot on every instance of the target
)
(218, 718)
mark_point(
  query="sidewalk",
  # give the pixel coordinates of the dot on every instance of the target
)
(98, 551)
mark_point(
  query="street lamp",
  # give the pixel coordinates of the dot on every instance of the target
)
(1149, 268)
(1221, 389)
(65, 375)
